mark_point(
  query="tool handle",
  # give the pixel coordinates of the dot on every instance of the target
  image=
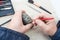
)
(45, 10)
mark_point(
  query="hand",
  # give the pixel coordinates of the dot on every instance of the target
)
(17, 24)
(49, 26)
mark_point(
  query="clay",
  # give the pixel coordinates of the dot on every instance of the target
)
(26, 19)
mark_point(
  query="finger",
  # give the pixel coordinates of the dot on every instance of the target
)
(40, 23)
(50, 21)
(46, 15)
(39, 15)
(28, 26)
(43, 15)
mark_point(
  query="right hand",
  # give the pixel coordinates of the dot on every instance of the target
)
(49, 27)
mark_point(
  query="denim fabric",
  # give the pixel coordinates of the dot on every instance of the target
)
(8, 34)
(56, 36)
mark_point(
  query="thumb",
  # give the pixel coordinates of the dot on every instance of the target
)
(40, 23)
(28, 26)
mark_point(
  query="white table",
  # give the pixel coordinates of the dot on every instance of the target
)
(56, 5)
(34, 33)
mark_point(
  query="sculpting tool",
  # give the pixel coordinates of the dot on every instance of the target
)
(32, 2)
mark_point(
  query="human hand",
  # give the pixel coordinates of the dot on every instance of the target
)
(47, 26)
(17, 24)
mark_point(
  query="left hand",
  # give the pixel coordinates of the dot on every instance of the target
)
(16, 23)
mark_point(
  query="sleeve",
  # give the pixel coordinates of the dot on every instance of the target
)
(8, 34)
(56, 36)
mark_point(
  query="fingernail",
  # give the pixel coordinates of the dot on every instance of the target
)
(23, 11)
(37, 20)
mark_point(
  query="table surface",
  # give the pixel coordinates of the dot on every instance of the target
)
(56, 5)
(34, 33)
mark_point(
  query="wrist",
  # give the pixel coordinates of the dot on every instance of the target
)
(52, 31)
